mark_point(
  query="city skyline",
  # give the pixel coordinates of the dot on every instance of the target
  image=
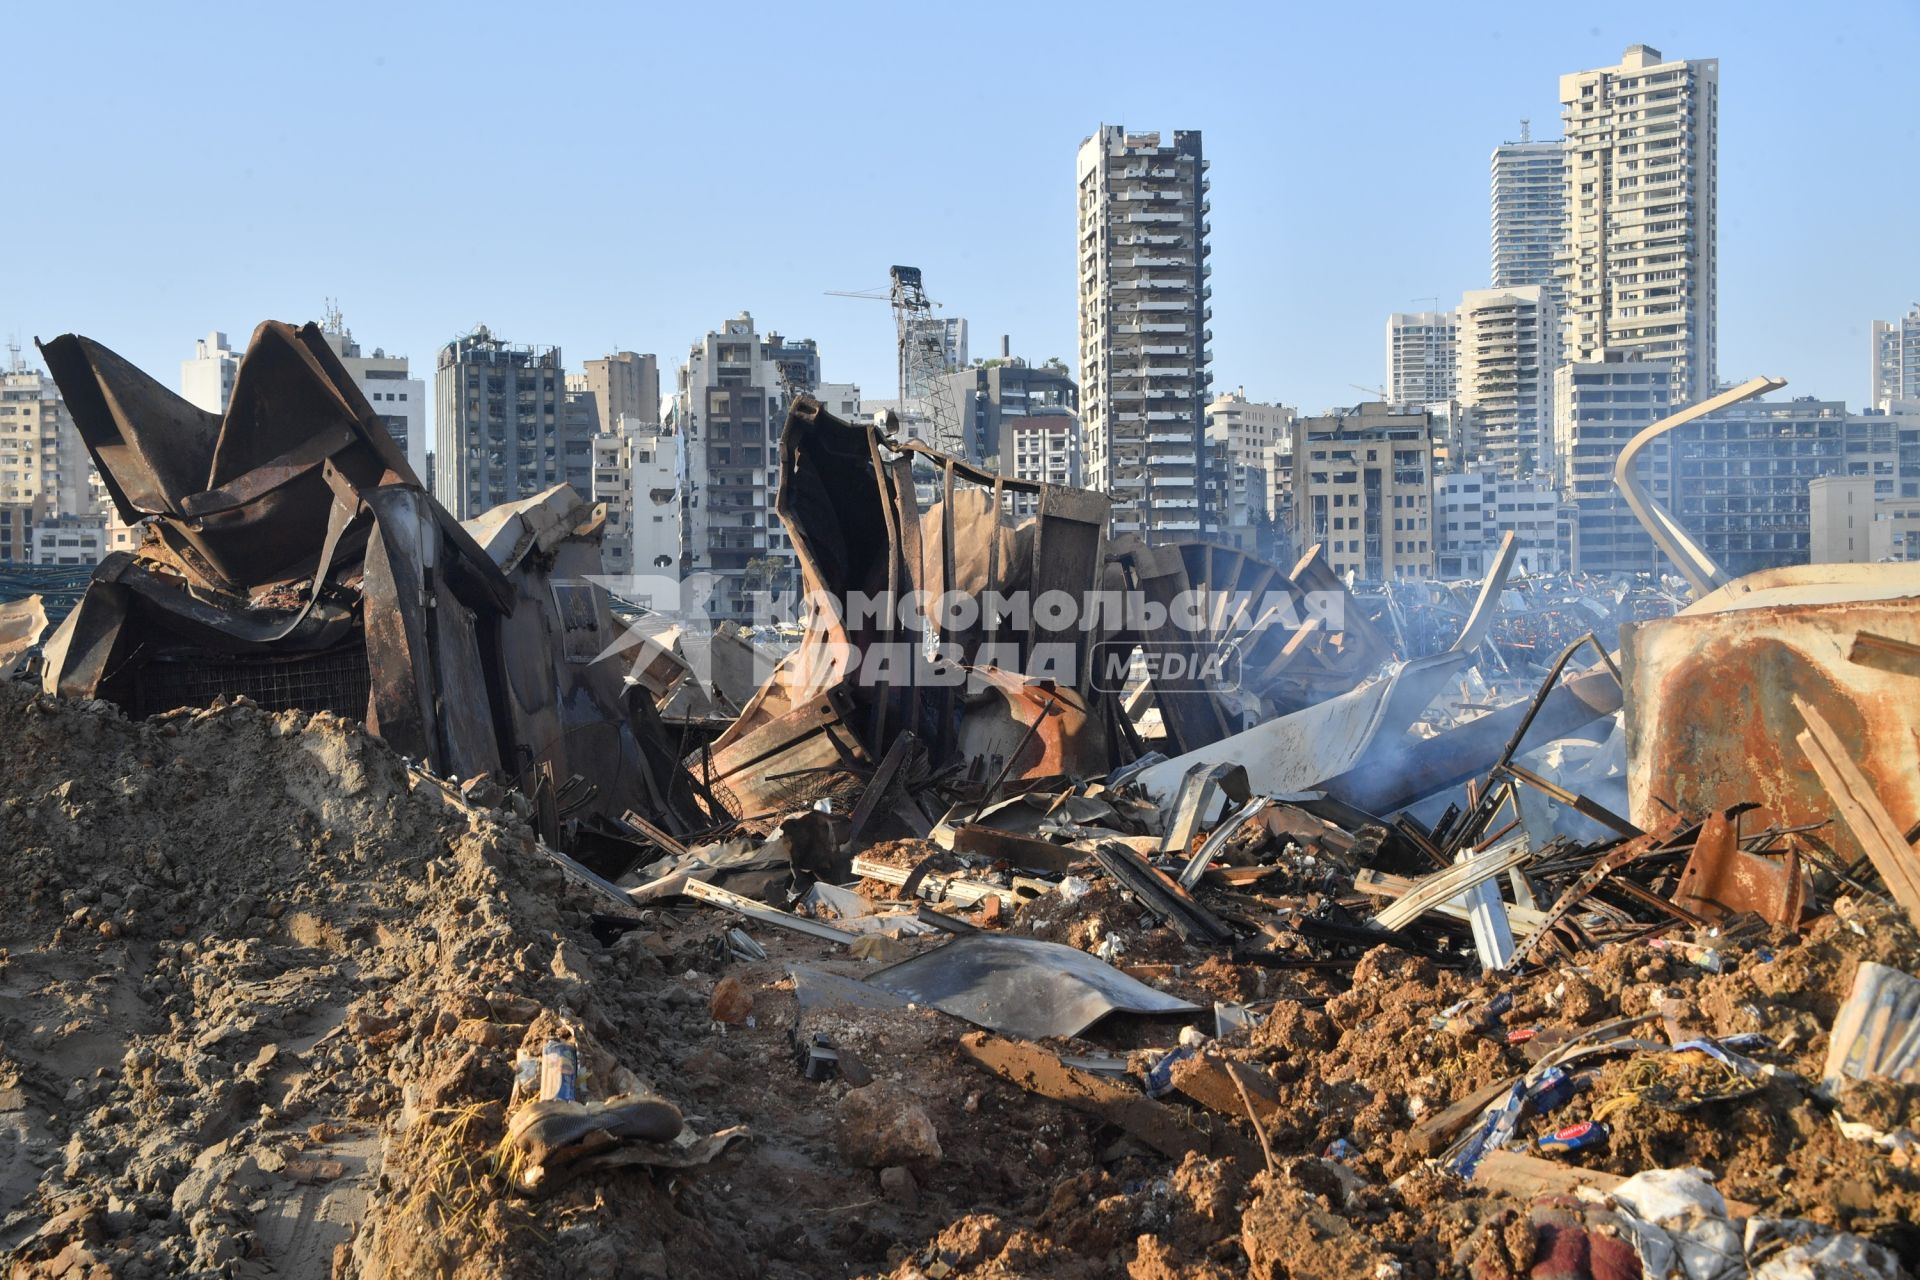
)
(1307, 260)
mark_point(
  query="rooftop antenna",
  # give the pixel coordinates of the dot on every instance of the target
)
(14, 363)
(1526, 129)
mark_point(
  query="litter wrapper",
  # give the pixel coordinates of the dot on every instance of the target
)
(559, 1072)
(1588, 1133)
(1551, 1090)
(1877, 1031)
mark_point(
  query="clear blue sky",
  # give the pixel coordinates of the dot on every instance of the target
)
(622, 176)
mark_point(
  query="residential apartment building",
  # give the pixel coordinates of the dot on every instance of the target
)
(841, 399)
(1637, 269)
(1142, 253)
(16, 530)
(1840, 521)
(1454, 440)
(624, 384)
(1421, 356)
(1598, 406)
(69, 540)
(1896, 360)
(502, 429)
(1529, 202)
(1259, 439)
(1506, 342)
(730, 404)
(659, 475)
(1476, 509)
(613, 492)
(390, 387)
(579, 414)
(122, 536)
(990, 402)
(1363, 488)
(206, 381)
(1043, 446)
(637, 475)
(1237, 495)
(42, 458)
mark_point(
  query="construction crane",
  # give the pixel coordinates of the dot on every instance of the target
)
(922, 359)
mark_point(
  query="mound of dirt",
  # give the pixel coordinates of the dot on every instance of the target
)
(263, 988)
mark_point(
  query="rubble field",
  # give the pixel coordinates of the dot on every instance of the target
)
(385, 899)
(263, 989)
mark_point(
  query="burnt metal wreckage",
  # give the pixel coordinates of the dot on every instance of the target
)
(292, 556)
(1250, 764)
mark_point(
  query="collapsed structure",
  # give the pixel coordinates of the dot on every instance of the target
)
(292, 556)
(1086, 906)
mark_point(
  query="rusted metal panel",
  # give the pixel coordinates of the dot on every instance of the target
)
(1020, 730)
(785, 753)
(1709, 696)
(1721, 879)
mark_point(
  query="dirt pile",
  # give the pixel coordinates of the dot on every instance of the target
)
(262, 997)
(264, 988)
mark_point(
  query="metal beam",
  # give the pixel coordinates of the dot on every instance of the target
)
(1693, 561)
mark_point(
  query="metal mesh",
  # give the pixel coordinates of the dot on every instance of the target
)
(336, 680)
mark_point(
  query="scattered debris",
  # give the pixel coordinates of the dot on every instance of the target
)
(1416, 950)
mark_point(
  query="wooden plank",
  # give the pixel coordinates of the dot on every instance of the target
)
(1238, 877)
(1860, 807)
(1431, 1136)
(1163, 1128)
(1208, 1079)
(1519, 1174)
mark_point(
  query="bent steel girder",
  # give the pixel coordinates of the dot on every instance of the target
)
(1691, 558)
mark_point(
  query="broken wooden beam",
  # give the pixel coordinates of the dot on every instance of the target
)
(1163, 1128)
(1853, 795)
(1208, 1078)
(1525, 1176)
(1431, 1136)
